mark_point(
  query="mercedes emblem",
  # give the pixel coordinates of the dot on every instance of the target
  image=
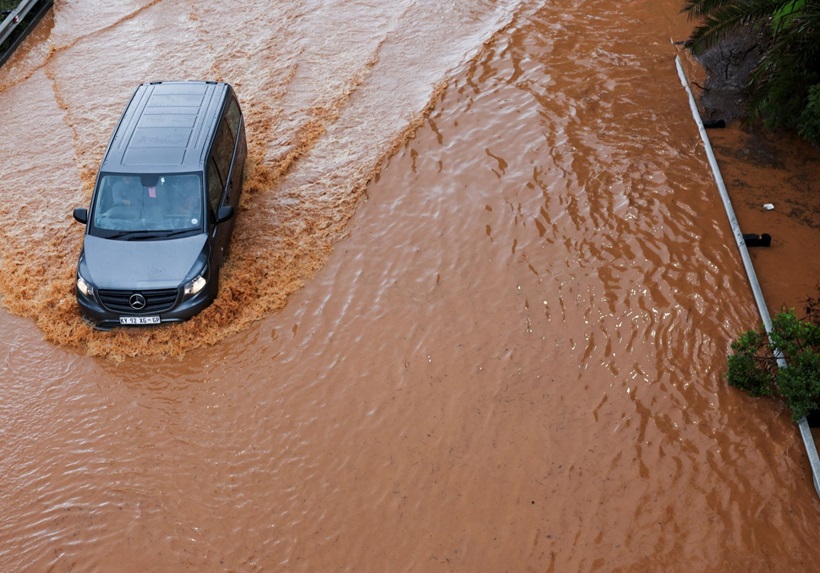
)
(137, 301)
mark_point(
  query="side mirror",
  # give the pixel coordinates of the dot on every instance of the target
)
(81, 215)
(225, 214)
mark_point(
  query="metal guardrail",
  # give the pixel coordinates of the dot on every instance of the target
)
(15, 18)
(802, 424)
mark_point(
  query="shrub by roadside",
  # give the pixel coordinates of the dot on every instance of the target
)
(753, 363)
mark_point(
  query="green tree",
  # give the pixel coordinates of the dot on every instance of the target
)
(753, 367)
(785, 85)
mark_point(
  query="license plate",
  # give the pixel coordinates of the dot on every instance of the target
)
(139, 320)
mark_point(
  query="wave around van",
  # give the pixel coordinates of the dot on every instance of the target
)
(328, 95)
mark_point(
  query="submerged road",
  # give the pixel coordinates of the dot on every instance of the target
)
(475, 319)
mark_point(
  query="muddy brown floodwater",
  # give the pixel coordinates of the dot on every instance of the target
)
(476, 316)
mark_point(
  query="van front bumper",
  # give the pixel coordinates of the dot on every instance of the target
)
(103, 317)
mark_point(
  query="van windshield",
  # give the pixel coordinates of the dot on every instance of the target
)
(147, 206)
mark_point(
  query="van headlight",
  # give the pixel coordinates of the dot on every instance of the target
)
(195, 285)
(85, 287)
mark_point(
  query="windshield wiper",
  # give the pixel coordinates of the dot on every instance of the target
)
(166, 234)
(127, 235)
(148, 235)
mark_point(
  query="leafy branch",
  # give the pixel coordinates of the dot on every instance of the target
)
(785, 85)
(753, 366)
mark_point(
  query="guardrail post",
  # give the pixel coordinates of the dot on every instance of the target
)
(15, 18)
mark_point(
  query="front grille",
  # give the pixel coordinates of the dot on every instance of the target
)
(156, 301)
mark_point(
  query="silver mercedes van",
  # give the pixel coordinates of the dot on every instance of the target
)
(163, 206)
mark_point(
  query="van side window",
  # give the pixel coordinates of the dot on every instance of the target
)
(215, 186)
(233, 115)
(223, 149)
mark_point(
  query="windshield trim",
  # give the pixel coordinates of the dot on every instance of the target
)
(148, 206)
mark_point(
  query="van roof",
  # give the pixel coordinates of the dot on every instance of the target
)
(167, 127)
